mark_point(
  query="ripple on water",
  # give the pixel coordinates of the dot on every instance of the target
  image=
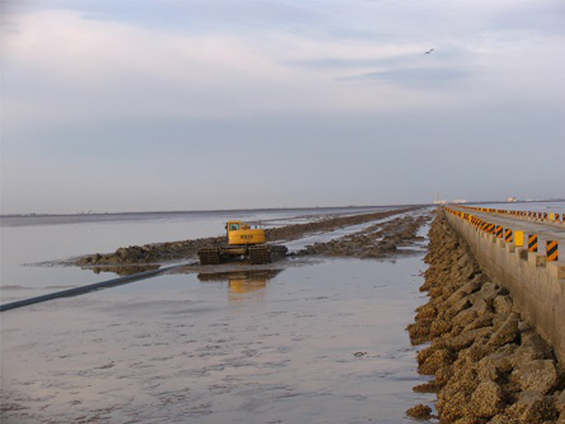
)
(208, 357)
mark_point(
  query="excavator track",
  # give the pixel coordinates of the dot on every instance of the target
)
(255, 254)
(277, 252)
(210, 256)
(260, 254)
(266, 253)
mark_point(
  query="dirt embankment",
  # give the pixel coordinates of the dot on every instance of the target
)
(489, 366)
(377, 241)
(184, 249)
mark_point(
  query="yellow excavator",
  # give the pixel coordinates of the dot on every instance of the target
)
(244, 242)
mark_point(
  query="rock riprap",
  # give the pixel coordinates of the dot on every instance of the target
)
(488, 364)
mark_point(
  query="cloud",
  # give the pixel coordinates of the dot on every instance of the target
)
(338, 94)
(416, 77)
(355, 63)
(63, 66)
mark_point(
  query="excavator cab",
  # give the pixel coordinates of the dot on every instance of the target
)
(233, 226)
(243, 234)
(244, 242)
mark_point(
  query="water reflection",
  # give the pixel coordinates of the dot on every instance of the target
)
(121, 271)
(243, 285)
(168, 350)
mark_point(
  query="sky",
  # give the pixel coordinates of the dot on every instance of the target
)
(155, 105)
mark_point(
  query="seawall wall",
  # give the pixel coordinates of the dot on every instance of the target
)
(537, 287)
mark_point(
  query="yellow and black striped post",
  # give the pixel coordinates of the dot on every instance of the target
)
(499, 231)
(508, 235)
(551, 249)
(490, 228)
(532, 242)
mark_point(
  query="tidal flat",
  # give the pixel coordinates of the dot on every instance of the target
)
(320, 340)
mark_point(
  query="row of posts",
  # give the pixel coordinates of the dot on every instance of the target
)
(509, 236)
(553, 217)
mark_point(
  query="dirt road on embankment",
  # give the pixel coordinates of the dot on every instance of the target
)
(488, 365)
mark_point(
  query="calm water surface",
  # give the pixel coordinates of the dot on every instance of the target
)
(557, 207)
(322, 343)
(26, 241)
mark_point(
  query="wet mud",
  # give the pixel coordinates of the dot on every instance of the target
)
(375, 242)
(488, 365)
(124, 257)
(323, 343)
(382, 240)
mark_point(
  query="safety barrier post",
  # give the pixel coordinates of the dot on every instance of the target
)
(519, 245)
(532, 243)
(534, 258)
(508, 239)
(551, 250)
(518, 238)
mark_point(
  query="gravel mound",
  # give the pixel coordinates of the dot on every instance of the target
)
(378, 241)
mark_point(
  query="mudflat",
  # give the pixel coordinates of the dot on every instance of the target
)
(318, 338)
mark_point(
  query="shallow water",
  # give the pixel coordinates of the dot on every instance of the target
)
(27, 241)
(322, 343)
(323, 237)
(557, 206)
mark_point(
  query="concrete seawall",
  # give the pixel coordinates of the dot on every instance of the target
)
(537, 287)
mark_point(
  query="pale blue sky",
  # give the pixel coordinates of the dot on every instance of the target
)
(179, 105)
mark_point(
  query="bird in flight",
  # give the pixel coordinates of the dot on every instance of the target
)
(429, 51)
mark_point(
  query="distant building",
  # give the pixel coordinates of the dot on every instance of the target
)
(512, 199)
(440, 202)
(459, 200)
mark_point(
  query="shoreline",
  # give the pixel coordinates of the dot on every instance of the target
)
(488, 365)
(101, 216)
(159, 253)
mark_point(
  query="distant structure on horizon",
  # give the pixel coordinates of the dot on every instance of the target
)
(445, 202)
(512, 199)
